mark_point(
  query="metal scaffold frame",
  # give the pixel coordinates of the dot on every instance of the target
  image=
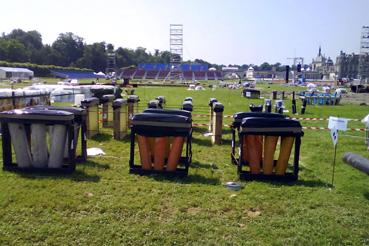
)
(364, 40)
(176, 43)
(110, 62)
(364, 53)
(176, 52)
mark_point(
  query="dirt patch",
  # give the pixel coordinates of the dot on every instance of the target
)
(355, 98)
(193, 210)
(253, 212)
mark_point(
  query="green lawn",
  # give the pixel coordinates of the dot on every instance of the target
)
(102, 204)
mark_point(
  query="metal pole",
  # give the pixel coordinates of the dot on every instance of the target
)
(334, 163)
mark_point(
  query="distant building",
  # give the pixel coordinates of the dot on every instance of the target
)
(319, 62)
(347, 66)
(324, 66)
(15, 73)
(364, 66)
(250, 73)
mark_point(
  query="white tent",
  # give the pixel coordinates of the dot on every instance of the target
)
(15, 73)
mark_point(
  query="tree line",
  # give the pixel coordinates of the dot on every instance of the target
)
(70, 50)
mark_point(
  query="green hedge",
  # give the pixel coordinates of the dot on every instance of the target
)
(42, 70)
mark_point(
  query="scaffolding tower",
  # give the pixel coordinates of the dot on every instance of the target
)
(176, 52)
(176, 43)
(364, 53)
(110, 63)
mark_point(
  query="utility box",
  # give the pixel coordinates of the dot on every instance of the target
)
(107, 110)
(120, 118)
(91, 105)
(251, 93)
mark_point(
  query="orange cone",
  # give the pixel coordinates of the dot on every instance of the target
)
(175, 153)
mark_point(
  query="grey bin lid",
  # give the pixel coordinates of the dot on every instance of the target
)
(155, 125)
(241, 115)
(74, 110)
(270, 125)
(218, 107)
(153, 104)
(187, 105)
(161, 120)
(108, 97)
(35, 114)
(251, 90)
(117, 103)
(133, 99)
(211, 101)
(169, 111)
(90, 101)
(161, 99)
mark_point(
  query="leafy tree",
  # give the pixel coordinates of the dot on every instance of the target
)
(94, 57)
(12, 50)
(265, 67)
(70, 46)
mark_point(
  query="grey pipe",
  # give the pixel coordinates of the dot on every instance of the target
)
(357, 162)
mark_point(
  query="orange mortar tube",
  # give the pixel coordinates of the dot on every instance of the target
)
(159, 152)
(152, 147)
(144, 149)
(245, 153)
(284, 155)
(270, 144)
(255, 152)
(175, 153)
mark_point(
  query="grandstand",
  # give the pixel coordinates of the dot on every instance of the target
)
(66, 74)
(189, 72)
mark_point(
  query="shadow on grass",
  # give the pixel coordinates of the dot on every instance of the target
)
(366, 195)
(227, 142)
(203, 142)
(102, 137)
(306, 183)
(201, 130)
(190, 179)
(202, 165)
(77, 175)
(94, 165)
(226, 130)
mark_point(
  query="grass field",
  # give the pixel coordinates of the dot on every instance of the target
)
(101, 204)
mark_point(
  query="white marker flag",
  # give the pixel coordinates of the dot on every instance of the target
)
(338, 123)
(334, 135)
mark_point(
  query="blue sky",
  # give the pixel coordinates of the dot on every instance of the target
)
(223, 32)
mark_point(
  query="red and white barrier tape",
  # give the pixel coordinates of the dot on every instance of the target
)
(304, 127)
(305, 119)
(327, 129)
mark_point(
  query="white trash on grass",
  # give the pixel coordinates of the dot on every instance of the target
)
(95, 152)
